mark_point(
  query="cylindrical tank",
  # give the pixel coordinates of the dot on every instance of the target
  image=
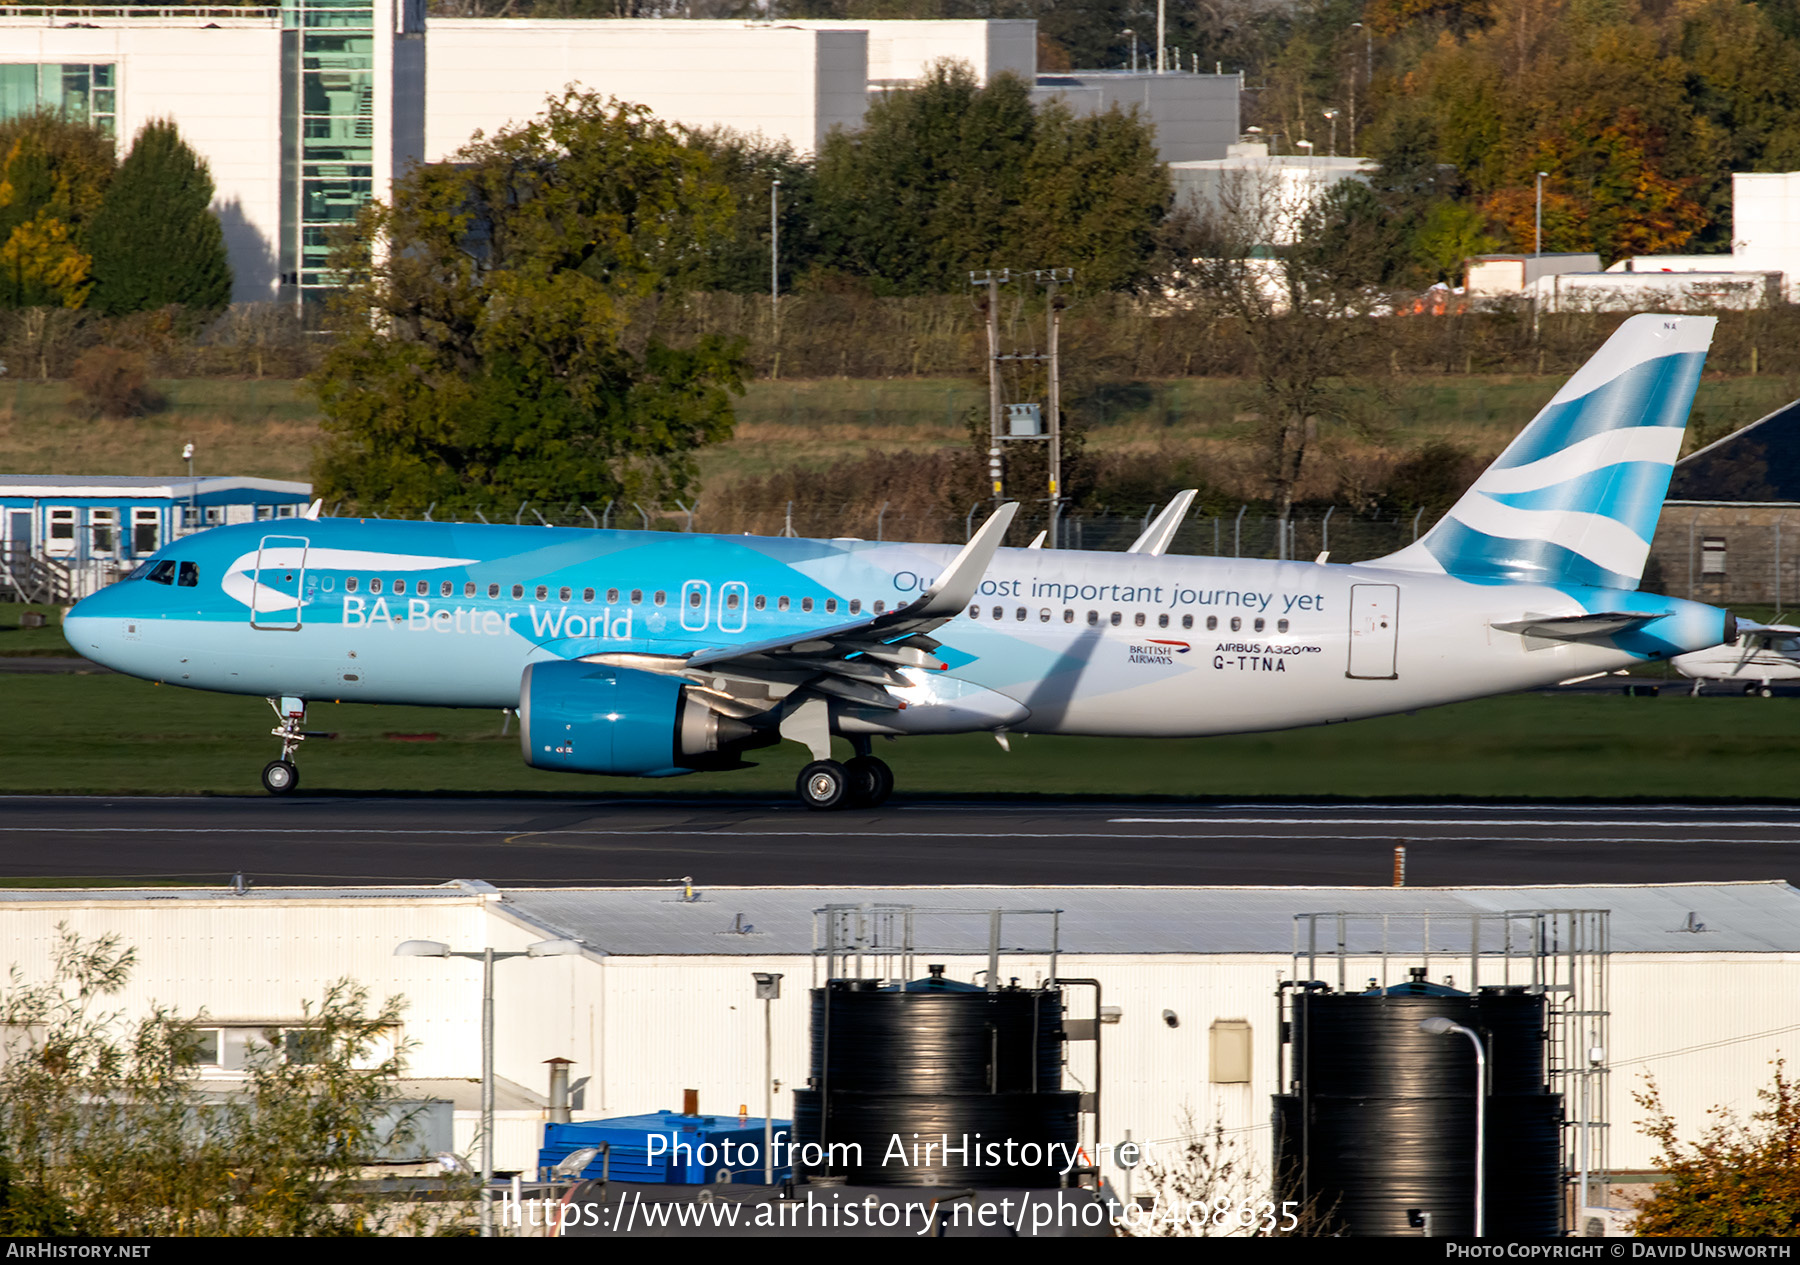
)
(935, 1083)
(1381, 1126)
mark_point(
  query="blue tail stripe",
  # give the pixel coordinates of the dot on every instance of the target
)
(1630, 491)
(1654, 393)
(1463, 551)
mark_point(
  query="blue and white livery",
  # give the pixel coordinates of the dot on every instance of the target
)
(655, 654)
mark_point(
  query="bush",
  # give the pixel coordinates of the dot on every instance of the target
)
(113, 383)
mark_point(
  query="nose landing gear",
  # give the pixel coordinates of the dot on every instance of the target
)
(280, 776)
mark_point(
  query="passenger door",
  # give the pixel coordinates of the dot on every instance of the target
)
(280, 579)
(1374, 631)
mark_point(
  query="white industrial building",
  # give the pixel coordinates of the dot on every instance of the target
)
(1765, 241)
(1271, 193)
(1701, 986)
(304, 110)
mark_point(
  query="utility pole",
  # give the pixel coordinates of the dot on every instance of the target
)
(1025, 422)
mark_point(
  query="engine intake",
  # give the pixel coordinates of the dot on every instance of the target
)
(595, 718)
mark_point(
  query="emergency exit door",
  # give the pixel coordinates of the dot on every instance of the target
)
(1374, 631)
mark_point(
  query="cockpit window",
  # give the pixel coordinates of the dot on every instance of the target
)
(163, 572)
(190, 575)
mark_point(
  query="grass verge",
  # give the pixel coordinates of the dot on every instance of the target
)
(116, 735)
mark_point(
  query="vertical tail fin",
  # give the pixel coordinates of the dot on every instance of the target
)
(1575, 498)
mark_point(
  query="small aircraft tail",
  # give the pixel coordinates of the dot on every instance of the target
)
(1575, 498)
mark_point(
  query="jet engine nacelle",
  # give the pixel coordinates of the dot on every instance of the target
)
(594, 718)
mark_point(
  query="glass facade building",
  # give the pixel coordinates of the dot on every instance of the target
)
(328, 130)
(84, 92)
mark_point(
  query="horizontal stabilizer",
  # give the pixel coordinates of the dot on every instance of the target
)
(1595, 627)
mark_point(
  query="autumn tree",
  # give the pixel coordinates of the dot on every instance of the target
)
(155, 241)
(498, 333)
(53, 174)
(1740, 1178)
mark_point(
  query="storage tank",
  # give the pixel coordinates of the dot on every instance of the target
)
(1378, 1130)
(899, 1071)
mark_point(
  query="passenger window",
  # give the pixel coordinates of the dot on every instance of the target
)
(612, 595)
(694, 597)
(587, 595)
(375, 585)
(493, 590)
(1117, 619)
(1093, 618)
(1281, 625)
(446, 589)
(660, 598)
(468, 588)
(762, 603)
(880, 606)
(974, 612)
(806, 604)
(781, 603)
(350, 585)
(162, 573)
(399, 586)
(1044, 615)
(518, 591)
(1212, 623)
(1068, 616)
(1258, 625)
(731, 600)
(1138, 619)
(856, 606)
(1236, 624)
(543, 591)
(637, 597)
(1162, 621)
(190, 575)
(1187, 621)
(998, 613)
(1019, 615)
(564, 593)
(831, 606)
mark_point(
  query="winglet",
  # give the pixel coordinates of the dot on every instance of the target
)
(962, 577)
(312, 511)
(1158, 536)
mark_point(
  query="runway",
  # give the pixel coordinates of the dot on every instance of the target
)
(524, 842)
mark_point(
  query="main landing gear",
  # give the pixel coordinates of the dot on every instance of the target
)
(280, 776)
(863, 782)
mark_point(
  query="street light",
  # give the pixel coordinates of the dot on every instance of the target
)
(487, 957)
(1129, 31)
(1333, 116)
(1539, 246)
(774, 248)
(1438, 1026)
(768, 991)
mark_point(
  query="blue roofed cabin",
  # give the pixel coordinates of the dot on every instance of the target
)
(63, 536)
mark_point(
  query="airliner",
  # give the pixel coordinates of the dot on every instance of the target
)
(652, 654)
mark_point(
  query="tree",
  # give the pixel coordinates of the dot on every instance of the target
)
(53, 174)
(1741, 1178)
(1297, 276)
(498, 335)
(107, 1131)
(952, 176)
(155, 240)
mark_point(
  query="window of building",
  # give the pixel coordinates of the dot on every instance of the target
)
(77, 91)
(333, 149)
(1712, 555)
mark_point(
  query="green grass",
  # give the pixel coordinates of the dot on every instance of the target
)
(19, 641)
(116, 735)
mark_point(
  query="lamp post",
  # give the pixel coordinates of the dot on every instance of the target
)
(187, 455)
(487, 957)
(1131, 32)
(774, 248)
(1439, 1026)
(1332, 115)
(1161, 39)
(768, 990)
(1538, 247)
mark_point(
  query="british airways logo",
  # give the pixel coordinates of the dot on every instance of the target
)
(1181, 647)
(1156, 652)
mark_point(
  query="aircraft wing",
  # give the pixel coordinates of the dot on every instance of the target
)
(856, 661)
(1580, 627)
(1158, 536)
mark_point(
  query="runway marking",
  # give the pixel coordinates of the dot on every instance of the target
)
(1424, 821)
(1036, 836)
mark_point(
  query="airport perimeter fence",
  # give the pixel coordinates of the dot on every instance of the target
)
(1249, 531)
